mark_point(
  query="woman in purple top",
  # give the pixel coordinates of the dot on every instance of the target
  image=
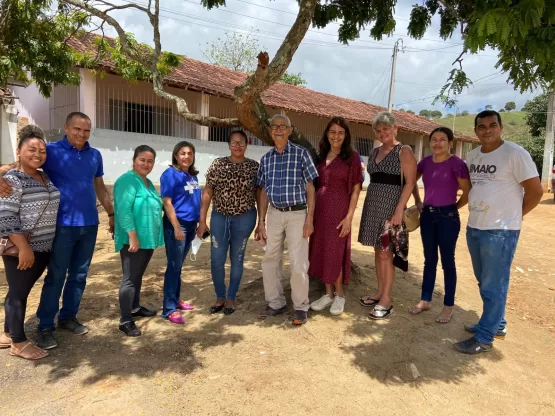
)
(443, 174)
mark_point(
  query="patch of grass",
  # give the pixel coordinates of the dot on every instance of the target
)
(513, 122)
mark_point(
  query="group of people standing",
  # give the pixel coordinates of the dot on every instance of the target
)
(50, 215)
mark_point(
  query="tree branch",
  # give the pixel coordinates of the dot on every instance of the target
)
(250, 109)
(266, 73)
(126, 45)
(158, 86)
(451, 10)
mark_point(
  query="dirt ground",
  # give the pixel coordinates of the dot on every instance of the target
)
(347, 365)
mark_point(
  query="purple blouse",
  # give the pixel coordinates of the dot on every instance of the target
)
(440, 180)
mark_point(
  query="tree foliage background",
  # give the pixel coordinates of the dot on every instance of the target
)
(33, 38)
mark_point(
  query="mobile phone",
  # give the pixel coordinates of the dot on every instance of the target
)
(206, 235)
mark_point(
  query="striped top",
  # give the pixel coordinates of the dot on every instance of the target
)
(284, 175)
(20, 211)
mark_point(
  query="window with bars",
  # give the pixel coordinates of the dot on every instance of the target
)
(140, 118)
(364, 146)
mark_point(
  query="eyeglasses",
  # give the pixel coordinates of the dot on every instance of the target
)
(281, 127)
(237, 144)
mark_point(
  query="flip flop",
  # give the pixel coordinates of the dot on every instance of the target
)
(364, 301)
(380, 312)
(4, 345)
(14, 352)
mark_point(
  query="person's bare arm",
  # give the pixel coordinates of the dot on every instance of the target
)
(465, 186)
(26, 255)
(104, 197)
(172, 216)
(308, 228)
(416, 192)
(533, 194)
(408, 165)
(207, 195)
(346, 223)
(5, 187)
(262, 203)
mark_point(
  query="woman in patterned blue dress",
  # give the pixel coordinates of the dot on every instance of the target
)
(386, 198)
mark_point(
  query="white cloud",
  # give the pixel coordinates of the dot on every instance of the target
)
(358, 71)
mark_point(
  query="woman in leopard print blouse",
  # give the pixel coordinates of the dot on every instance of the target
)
(231, 187)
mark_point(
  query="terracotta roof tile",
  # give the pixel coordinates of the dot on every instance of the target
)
(215, 80)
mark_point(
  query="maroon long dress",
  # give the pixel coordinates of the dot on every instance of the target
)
(328, 253)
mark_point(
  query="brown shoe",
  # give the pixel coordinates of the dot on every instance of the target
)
(300, 317)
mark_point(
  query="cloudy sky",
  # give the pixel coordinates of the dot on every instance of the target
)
(359, 71)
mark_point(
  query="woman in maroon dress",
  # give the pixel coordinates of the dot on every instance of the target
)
(337, 190)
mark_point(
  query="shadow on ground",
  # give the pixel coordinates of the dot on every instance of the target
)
(387, 351)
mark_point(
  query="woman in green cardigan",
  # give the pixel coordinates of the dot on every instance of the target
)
(138, 231)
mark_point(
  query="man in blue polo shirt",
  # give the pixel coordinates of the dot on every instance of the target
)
(76, 170)
(285, 178)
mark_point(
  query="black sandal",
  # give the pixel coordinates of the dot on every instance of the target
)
(216, 308)
(368, 298)
(229, 311)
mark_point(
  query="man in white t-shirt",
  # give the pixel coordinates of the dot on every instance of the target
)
(505, 187)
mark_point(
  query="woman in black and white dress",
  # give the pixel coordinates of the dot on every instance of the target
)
(386, 198)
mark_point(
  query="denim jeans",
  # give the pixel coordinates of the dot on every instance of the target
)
(229, 233)
(176, 251)
(72, 253)
(492, 253)
(439, 228)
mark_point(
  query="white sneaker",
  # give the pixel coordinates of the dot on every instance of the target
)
(321, 304)
(338, 305)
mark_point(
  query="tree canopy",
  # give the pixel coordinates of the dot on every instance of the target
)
(33, 39)
(511, 105)
(521, 31)
(239, 52)
(536, 114)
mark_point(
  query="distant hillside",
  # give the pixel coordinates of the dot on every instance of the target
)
(513, 123)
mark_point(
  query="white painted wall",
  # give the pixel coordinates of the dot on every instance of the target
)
(117, 152)
(32, 105)
(8, 133)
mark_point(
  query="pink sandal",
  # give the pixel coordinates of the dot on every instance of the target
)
(184, 306)
(176, 318)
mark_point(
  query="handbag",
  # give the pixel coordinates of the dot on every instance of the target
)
(411, 216)
(8, 248)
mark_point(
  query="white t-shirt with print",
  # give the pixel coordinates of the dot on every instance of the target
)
(495, 200)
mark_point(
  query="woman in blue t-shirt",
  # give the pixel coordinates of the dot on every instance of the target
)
(181, 195)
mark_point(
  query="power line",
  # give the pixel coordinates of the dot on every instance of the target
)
(273, 34)
(435, 95)
(379, 82)
(295, 14)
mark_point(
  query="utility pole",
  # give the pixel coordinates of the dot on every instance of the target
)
(392, 80)
(548, 147)
(377, 143)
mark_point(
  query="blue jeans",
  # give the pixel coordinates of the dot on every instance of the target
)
(72, 253)
(492, 253)
(439, 228)
(229, 233)
(176, 251)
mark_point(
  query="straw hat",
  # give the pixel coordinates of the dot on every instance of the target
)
(412, 218)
